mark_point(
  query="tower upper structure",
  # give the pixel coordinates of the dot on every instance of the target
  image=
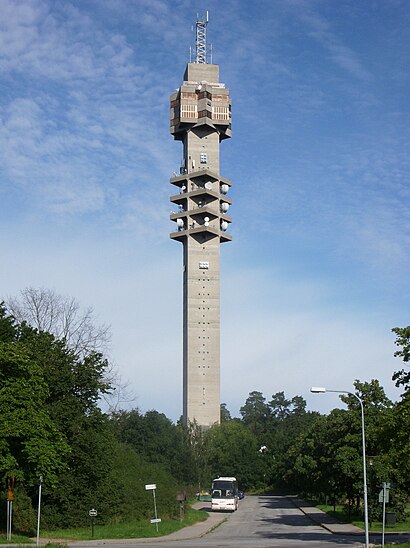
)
(201, 118)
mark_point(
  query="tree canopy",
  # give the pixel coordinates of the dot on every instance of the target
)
(51, 424)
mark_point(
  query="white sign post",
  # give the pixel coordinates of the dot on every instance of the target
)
(40, 483)
(152, 487)
(93, 514)
(384, 497)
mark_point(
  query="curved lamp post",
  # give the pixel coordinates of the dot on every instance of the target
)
(321, 390)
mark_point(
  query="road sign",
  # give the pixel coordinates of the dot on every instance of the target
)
(150, 486)
(10, 489)
(156, 520)
(92, 513)
(386, 499)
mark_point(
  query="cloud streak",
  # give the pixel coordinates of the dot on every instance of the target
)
(317, 272)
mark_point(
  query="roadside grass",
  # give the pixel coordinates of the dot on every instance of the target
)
(130, 529)
(375, 526)
(15, 539)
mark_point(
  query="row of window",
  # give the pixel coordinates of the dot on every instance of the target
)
(203, 95)
(218, 112)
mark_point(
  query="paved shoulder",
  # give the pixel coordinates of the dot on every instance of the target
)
(324, 520)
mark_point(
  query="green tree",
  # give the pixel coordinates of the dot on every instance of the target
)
(233, 451)
(397, 430)
(30, 443)
(279, 406)
(225, 414)
(327, 458)
(51, 396)
(255, 413)
(402, 377)
(152, 435)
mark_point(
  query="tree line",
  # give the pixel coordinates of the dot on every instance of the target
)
(51, 425)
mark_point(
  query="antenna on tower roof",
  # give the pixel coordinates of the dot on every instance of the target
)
(200, 44)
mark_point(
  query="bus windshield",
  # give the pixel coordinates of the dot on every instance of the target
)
(224, 488)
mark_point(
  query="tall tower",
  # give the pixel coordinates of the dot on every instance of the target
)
(201, 119)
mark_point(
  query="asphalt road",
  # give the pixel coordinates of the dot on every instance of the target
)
(271, 521)
(266, 521)
(261, 521)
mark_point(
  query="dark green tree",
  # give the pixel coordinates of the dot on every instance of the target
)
(279, 406)
(30, 443)
(256, 413)
(397, 430)
(402, 377)
(225, 414)
(232, 450)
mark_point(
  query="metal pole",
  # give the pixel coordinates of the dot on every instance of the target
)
(8, 521)
(40, 483)
(366, 515)
(10, 518)
(155, 509)
(384, 511)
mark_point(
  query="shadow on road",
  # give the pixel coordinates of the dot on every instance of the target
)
(286, 514)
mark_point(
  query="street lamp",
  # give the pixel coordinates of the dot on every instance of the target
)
(321, 390)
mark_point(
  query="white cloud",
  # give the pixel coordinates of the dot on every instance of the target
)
(318, 160)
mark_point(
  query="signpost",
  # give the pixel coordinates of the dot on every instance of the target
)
(40, 483)
(152, 487)
(181, 498)
(93, 514)
(10, 498)
(384, 497)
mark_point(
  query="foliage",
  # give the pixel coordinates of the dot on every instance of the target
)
(51, 425)
(24, 515)
(225, 414)
(397, 431)
(152, 435)
(255, 413)
(402, 377)
(30, 443)
(328, 457)
(233, 451)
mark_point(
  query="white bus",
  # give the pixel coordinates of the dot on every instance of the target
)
(225, 494)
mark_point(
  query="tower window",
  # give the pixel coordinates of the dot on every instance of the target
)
(220, 113)
(204, 158)
(188, 111)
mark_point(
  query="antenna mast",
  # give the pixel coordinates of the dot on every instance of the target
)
(200, 45)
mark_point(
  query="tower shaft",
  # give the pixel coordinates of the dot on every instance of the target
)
(200, 118)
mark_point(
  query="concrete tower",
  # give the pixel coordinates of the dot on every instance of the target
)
(201, 119)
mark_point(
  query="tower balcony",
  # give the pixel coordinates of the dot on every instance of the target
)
(199, 177)
(180, 235)
(199, 196)
(203, 220)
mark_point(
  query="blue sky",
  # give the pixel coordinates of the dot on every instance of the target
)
(318, 271)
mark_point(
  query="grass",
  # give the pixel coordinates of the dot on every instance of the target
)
(15, 539)
(376, 526)
(130, 529)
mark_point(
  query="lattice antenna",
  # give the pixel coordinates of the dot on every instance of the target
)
(200, 45)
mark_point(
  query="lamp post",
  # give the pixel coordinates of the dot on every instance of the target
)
(321, 390)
